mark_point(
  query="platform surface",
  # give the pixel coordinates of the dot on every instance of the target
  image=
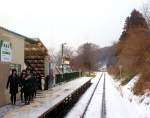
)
(44, 101)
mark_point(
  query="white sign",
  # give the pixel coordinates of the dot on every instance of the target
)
(66, 62)
(6, 54)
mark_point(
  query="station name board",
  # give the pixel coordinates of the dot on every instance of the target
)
(5, 51)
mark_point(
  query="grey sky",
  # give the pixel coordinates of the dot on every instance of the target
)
(71, 21)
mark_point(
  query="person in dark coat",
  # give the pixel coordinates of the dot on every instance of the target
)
(27, 87)
(13, 84)
(22, 82)
(38, 77)
(47, 82)
(35, 84)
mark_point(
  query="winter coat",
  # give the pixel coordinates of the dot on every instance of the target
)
(22, 82)
(13, 83)
(47, 82)
(35, 82)
(28, 85)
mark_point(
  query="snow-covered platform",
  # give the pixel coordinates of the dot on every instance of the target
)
(45, 100)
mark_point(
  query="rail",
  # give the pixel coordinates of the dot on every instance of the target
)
(91, 96)
(103, 111)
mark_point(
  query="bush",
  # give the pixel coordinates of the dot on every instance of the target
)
(125, 77)
(138, 88)
(87, 74)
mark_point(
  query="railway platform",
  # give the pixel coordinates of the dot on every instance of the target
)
(49, 102)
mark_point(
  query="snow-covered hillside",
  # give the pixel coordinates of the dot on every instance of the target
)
(141, 102)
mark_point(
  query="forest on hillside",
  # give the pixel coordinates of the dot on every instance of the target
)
(132, 52)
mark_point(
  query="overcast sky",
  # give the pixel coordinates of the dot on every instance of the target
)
(67, 21)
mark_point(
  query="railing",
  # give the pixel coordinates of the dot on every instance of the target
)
(66, 77)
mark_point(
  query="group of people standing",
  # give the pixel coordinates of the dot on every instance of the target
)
(29, 82)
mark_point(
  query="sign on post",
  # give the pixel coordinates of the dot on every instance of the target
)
(5, 51)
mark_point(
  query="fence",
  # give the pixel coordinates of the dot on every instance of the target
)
(66, 77)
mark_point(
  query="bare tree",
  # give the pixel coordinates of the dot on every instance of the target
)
(146, 12)
(86, 58)
(68, 52)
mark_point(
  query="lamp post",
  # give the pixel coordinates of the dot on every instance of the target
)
(62, 58)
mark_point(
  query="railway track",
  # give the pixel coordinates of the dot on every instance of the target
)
(103, 111)
(103, 106)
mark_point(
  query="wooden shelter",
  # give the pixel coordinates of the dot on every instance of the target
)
(36, 56)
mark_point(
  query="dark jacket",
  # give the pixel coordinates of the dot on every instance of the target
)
(13, 84)
(22, 82)
(28, 84)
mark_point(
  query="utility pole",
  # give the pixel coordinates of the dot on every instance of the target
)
(62, 58)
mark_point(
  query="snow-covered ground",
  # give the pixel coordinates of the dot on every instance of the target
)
(44, 101)
(96, 102)
(118, 103)
(117, 106)
(141, 102)
(78, 109)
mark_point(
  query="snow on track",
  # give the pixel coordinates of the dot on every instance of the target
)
(78, 109)
(95, 106)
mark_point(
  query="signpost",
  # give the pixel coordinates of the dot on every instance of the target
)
(5, 51)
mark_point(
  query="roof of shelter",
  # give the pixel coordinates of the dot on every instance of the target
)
(17, 34)
(27, 39)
